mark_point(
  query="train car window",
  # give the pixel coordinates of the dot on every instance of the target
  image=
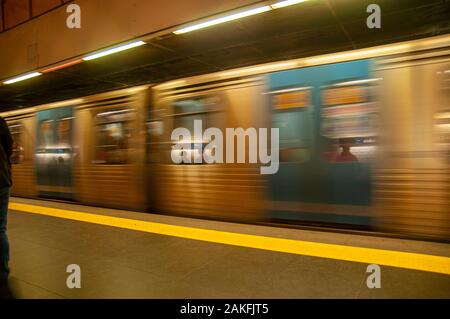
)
(207, 108)
(291, 98)
(291, 114)
(63, 138)
(155, 131)
(197, 108)
(113, 131)
(348, 122)
(46, 135)
(17, 152)
(442, 115)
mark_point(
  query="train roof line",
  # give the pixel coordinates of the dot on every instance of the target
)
(386, 50)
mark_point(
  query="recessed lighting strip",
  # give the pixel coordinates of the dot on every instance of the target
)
(74, 62)
(286, 3)
(224, 19)
(238, 15)
(113, 50)
(22, 77)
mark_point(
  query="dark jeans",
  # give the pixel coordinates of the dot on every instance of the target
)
(4, 245)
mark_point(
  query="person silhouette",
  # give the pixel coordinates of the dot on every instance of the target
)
(346, 155)
(6, 148)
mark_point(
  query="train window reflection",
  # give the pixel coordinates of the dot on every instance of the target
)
(442, 115)
(202, 108)
(348, 123)
(154, 132)
(63, 132)
(155, 128)
(292, 115)
(206, 108)
(47, 134)
(348, 150)
(113, 131)
(17, 151)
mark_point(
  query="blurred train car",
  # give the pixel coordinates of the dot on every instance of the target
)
(228, 190)
(90, 149)
(22, 127)
(364, 142)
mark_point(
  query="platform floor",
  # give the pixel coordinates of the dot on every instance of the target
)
(118, 262)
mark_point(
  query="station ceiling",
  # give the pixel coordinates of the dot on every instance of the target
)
(307, 29)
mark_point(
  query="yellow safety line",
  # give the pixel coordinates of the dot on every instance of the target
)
(423, 262)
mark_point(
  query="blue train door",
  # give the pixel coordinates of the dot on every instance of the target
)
(324, 114)
(292, 113)
(54, 153)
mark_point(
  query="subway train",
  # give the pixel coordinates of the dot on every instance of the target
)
(364, 142)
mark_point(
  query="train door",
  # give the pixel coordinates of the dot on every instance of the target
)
(54, 153)
(324, 140)
(292, 113)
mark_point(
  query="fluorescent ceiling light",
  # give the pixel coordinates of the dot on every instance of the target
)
(285, 3)
(113, 50)
(22, 77)
(231, 17)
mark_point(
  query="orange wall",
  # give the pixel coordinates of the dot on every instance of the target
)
(16, 11)
(1, 16)
(46, 39)
(19, 11)
(41, 6)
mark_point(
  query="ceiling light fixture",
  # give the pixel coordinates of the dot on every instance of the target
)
(224, 19)
(113, 50)
(22, 77)
(285, 3)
